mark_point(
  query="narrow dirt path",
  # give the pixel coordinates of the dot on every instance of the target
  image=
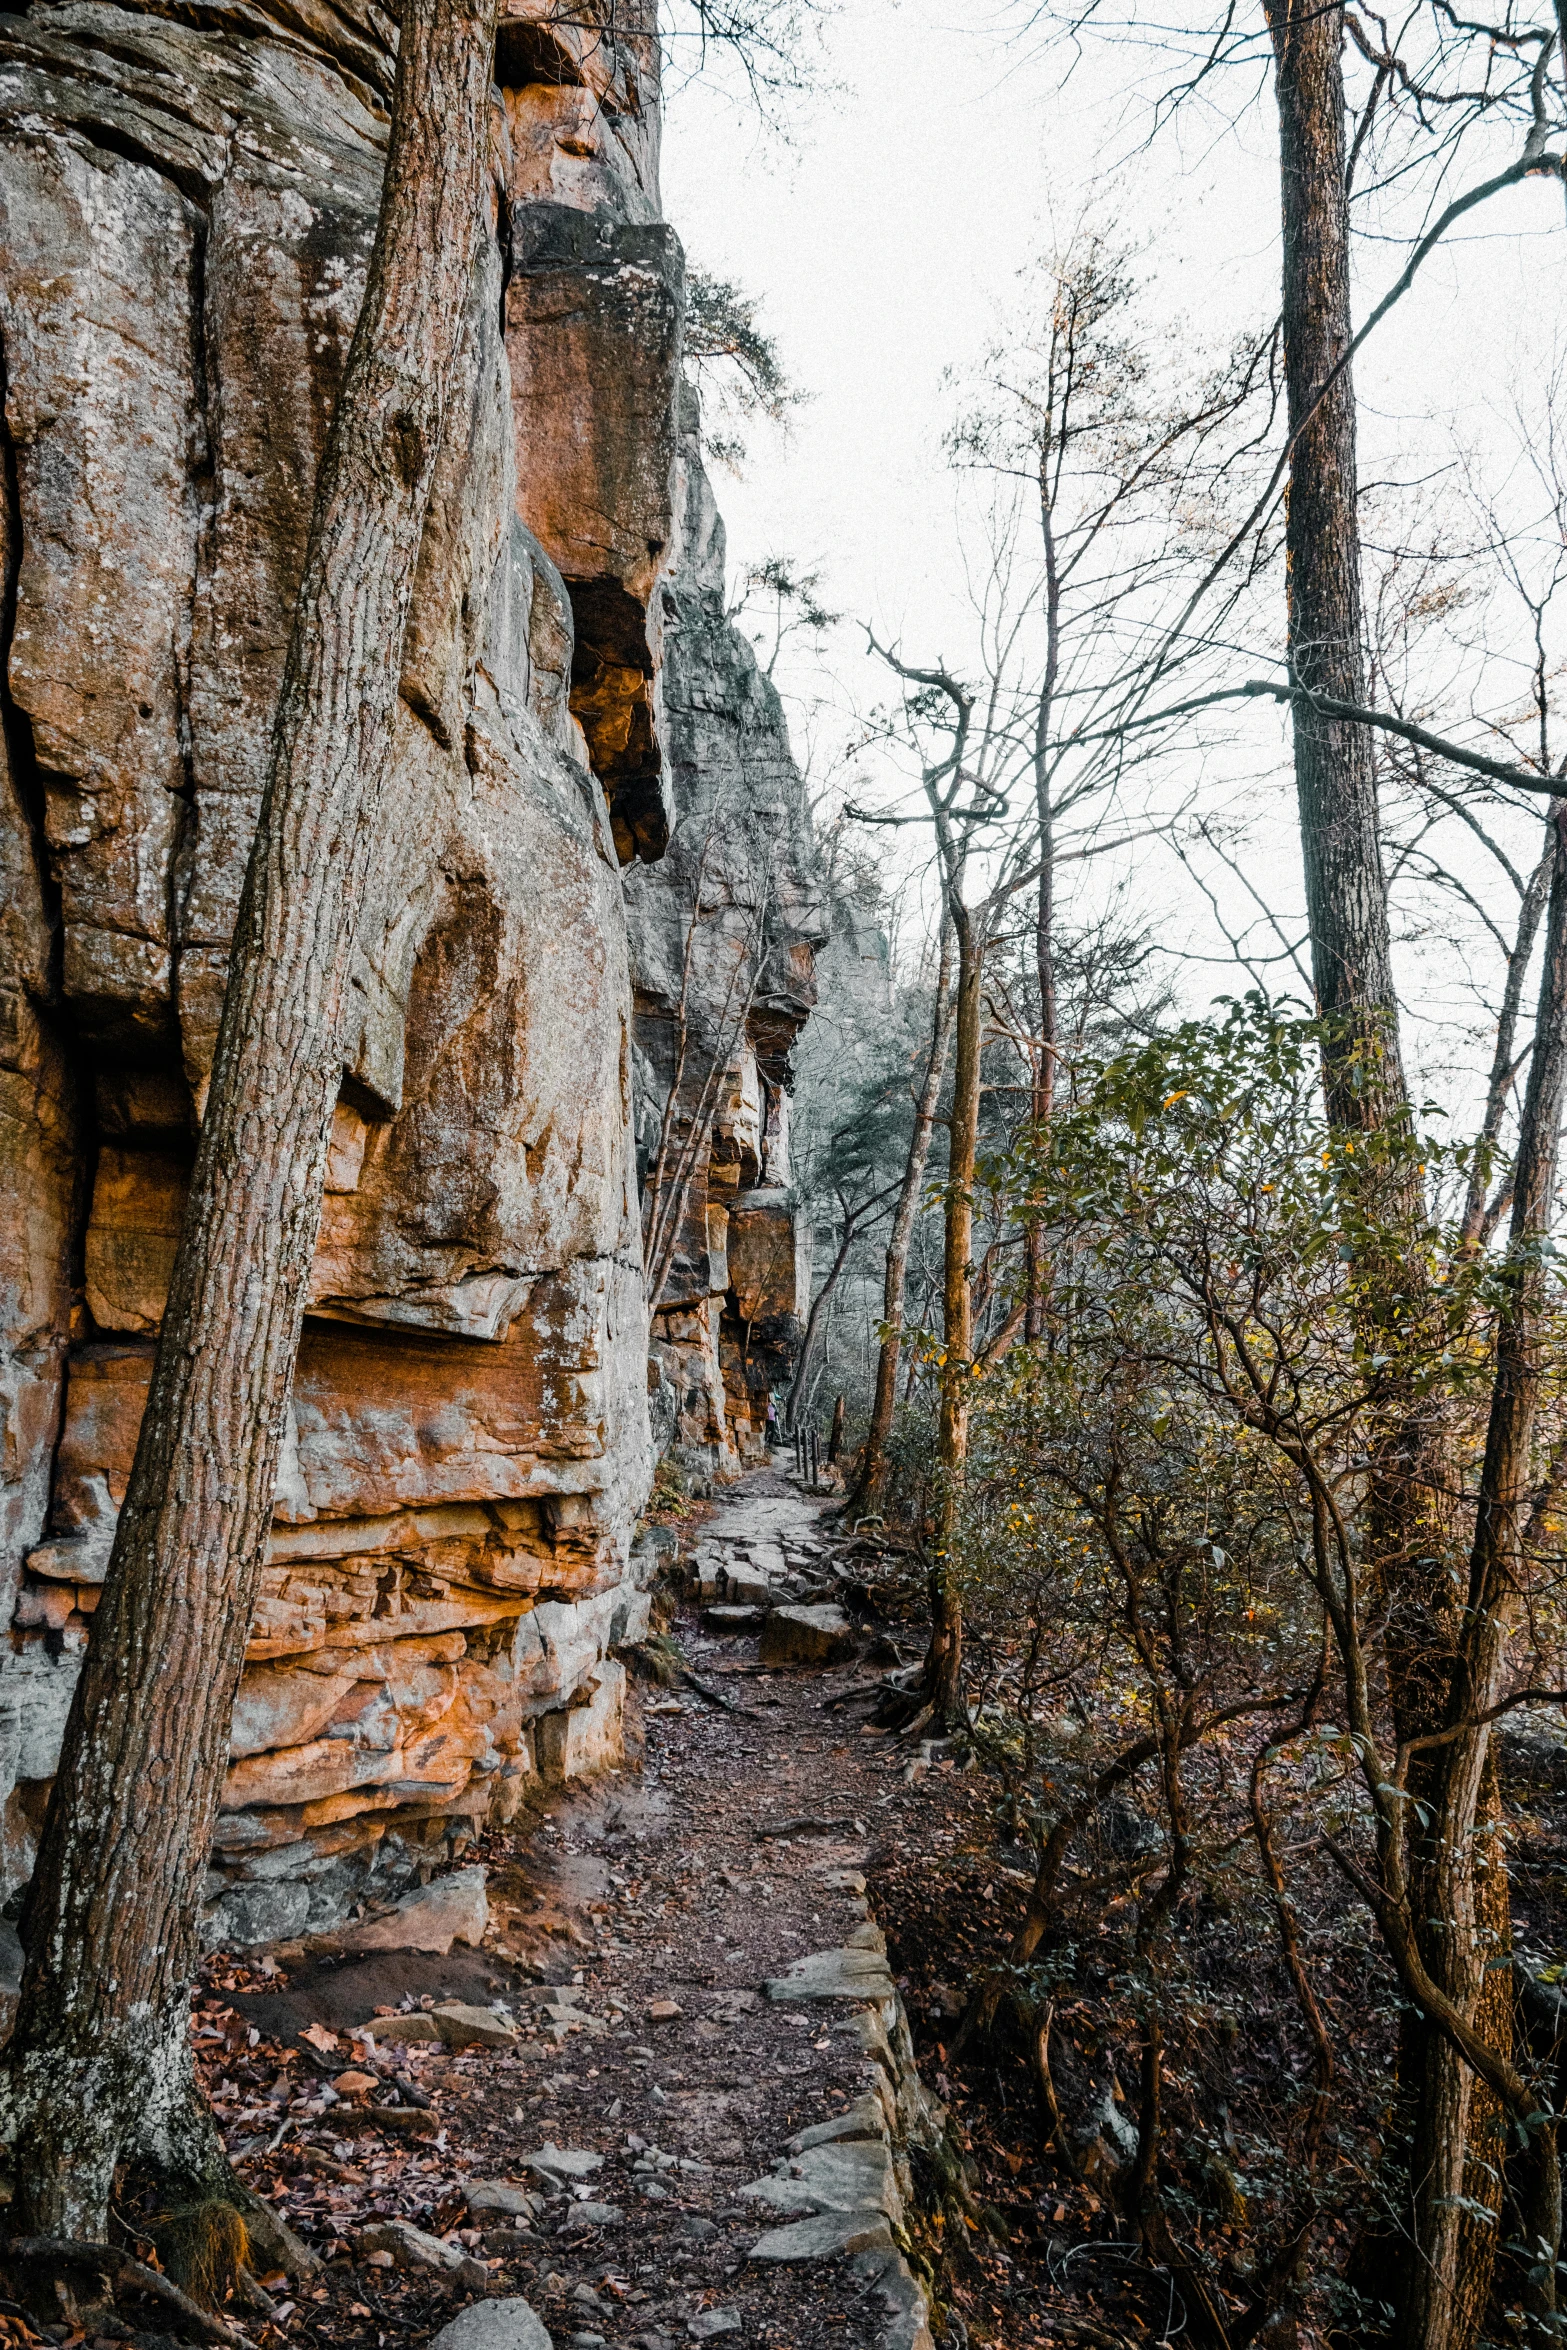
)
(604, 2164)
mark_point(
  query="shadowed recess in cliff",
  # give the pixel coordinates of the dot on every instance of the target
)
(593, 335)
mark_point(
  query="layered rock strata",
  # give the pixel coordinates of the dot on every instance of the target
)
(186, 209)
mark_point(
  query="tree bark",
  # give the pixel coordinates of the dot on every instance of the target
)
(1406, 1513)
(870, 1486)
(944, 1659)
(1335, 779)
(1446, 2300)
(99, 2068)
(1478, 1221)
(1043, 1103)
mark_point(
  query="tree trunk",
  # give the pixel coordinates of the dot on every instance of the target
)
(1406, 1517)
(1446, 2301)
(835, 1439)
(854, 1222)
(1043, 1103)
(871, 1484)
(944, 1660)
(1335, 781)
(99, 2067)
(1477, 1224)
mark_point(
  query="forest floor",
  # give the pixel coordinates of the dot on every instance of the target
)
(635, 1920)
(687, 1879)
(725, 1850)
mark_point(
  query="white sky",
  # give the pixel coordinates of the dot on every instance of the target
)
(885, 240)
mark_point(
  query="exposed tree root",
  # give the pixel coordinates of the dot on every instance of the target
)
(72, 2133)
(1048, 2098)
(116, 2268)
(204, 2247)
(713, 1696)
(210, 2180)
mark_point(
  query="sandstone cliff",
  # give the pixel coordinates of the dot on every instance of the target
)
(186, 207)
(724, 936)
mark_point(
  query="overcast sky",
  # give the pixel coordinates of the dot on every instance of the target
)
(885, 240)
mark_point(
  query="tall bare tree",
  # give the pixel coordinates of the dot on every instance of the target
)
(1026, 764)
(1076, 408)
(1457, 2189)
(964, 769)
(871, 1476)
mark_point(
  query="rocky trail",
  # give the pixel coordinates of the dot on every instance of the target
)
(671, 2097)
(657, 2077)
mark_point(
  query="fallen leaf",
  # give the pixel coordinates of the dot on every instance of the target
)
(319, 2037)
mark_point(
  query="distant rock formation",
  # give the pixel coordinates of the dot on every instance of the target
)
(186, 207)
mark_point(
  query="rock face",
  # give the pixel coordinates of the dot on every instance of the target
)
(187, 203)
(724, 935)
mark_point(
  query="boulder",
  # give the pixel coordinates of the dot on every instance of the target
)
(883, 2272)
(854, 2175)
(410, 2247)
(461, 2026)
(416, 2031)
(835, 1974)
(865, 2118)
(559, 2164)
(808, 1636)
(826, 2235)
(486, 2195)
(449, 1909)
(493, 2325)
(732, 1619)
(589, 1737)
